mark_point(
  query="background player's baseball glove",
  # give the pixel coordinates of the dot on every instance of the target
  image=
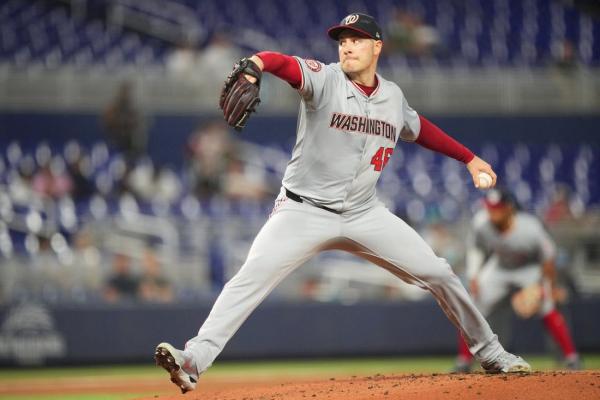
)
(239, 96)
(527, 301)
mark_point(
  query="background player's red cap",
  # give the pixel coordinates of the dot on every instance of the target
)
(361, 23)
(499, 198)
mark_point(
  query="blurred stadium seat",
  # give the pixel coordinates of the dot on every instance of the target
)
(36, 225)
(475, 32)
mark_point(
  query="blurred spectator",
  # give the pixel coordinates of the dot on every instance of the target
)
(52, 180)
(183, 61)
(566, 65)
(210, 150)
(45, 273)
(218, 57)
(167, 185)
(20, 181)
(87, 258)
(217, 165)
(565, 56)
(154, 286)
(242, 182)
(149, 183)
(558, 209)
(80, 170)
(140, 177)
(124, 124)
(122, 284)
(407, 33)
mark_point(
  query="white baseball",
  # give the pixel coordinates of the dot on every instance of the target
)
(485, 180)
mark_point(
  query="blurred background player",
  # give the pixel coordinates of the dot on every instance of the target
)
(510, 249)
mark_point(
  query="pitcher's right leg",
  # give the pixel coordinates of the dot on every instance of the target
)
(293, 234)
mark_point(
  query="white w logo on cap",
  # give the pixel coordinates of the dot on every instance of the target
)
(350, 19)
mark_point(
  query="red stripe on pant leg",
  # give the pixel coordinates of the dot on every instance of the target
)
(463, 350)
(556, 325)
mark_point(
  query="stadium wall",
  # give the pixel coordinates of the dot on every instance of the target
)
(58, 335)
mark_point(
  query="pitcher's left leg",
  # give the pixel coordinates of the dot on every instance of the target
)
(493, 287)
(389, 242)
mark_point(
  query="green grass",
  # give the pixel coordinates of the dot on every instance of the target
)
(65, 372)
(286, 367)
(257, 369)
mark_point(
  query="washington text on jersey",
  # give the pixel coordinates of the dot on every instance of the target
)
(357, 123)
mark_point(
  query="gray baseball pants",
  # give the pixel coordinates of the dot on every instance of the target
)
(297, 231)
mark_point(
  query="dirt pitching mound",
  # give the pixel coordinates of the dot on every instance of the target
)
(537, 386)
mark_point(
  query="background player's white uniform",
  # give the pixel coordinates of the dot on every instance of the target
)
(344, 139)
(513, 259)
(501, 262)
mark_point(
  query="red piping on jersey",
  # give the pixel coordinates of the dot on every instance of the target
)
(367, 90)
(282, 66)
(433, 138)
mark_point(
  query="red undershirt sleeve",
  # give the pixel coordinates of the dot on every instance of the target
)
(282, 66)
(433, 138)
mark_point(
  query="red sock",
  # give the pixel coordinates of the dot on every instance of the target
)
(463, 350)
(556, 325)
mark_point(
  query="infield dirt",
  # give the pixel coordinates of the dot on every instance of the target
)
(537, 386)
(584, 385)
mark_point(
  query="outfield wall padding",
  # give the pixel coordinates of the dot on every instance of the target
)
(50, 335)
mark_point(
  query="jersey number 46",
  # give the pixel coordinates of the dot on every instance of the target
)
(381, 158)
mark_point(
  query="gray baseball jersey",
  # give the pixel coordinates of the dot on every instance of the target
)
(526, 244)
(345, 137)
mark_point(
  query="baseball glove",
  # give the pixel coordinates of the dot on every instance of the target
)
(239, 96)
(527, 301)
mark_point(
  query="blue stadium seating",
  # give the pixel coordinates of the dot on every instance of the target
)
(473, 32)
(413, 185)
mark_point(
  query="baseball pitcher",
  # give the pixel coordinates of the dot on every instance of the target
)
(349, 123)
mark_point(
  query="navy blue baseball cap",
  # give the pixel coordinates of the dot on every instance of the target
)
(357, 22)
